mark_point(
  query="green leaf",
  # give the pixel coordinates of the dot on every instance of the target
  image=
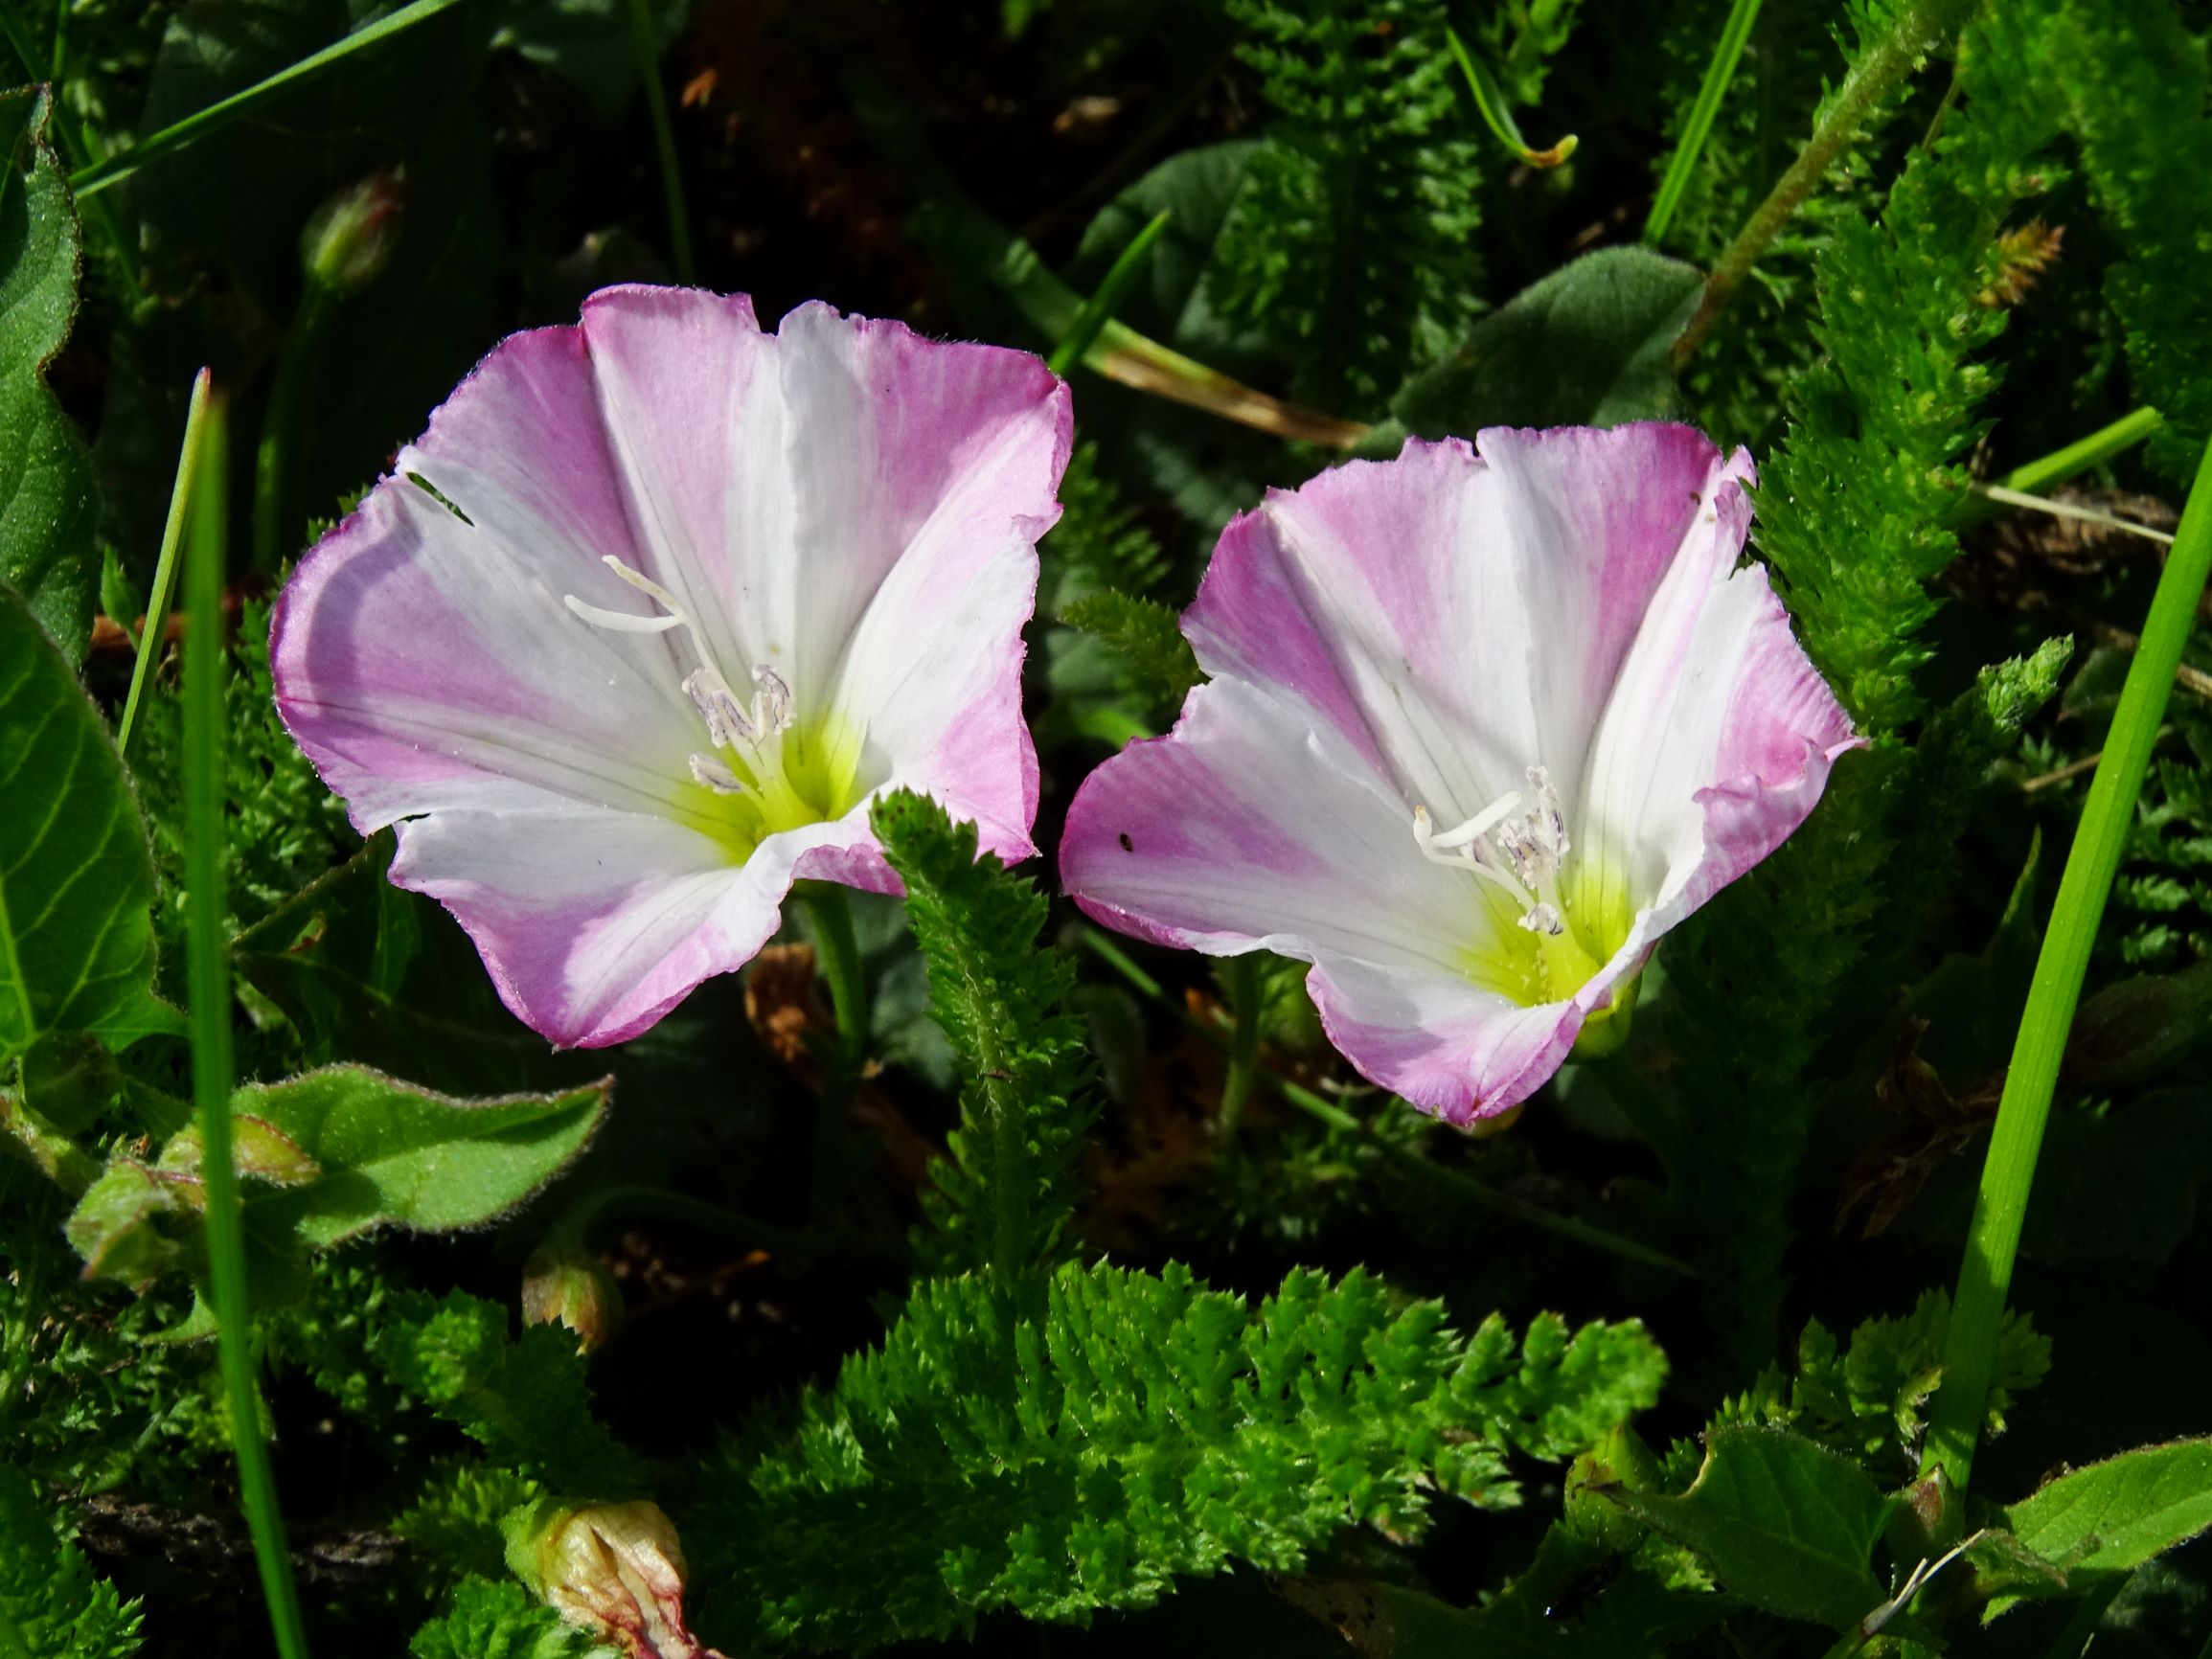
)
(1150, 640)
(1585, 346)
(2114, 1517)
(1005, 1198)
(396, 1155)
(49, 1603)
(76, 880)
(1136, 1429)
(499, 1620)
(334, 1154)
(1784, 1524)
(526, 1400)
(46, 508)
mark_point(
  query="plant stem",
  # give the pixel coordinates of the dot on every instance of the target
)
(100, 174)
(210, 978)
(2038, 476)
(283, 424)
(2007, 1173)
(1244, 976)
(1684, 161)
(1490, 102)
(664, 139)
(150, 637)
(1327, 1112)
(1106, 299)
(1923, 25)
(837, 954)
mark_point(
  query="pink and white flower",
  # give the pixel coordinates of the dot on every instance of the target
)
(1484, 722)
(629, 639)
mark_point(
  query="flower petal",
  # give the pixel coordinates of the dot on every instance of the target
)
(916, 450)
(1718, 745)
(1460, 616)
(1255, 826)
(594, 923)
(422, 653)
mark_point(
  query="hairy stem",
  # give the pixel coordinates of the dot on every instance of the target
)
(2007, 1173)
(1920, 26)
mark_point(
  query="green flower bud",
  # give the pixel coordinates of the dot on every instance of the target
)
(348, 241)
(567, 1284)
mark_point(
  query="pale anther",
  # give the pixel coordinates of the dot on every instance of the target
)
(715, 776)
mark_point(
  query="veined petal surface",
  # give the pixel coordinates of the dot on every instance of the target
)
(1541, 611)
(842, 511)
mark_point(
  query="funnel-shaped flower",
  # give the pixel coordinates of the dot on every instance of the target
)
(627, 641)
(1484, 723)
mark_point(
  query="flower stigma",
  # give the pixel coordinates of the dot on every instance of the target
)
(1518, 847)
(766, 771)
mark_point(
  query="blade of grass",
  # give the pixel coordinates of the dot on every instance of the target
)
(1719, 73)
(2036, 477)
(1878, 68)
(208, 962)
(165, 566)
(2008, 1172)
(664, 139)
(1497, 114)
(1106, 299)
(176, 136)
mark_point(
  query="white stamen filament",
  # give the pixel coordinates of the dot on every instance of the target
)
(728, 721)
(1520, 854)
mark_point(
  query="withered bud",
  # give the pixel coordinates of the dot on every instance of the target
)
(348, 241)
(615, 1570)
(567, 1284)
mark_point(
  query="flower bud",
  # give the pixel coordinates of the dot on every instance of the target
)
(2131, 1032)
(348, 241)
(615, 1570)
(569, 1283)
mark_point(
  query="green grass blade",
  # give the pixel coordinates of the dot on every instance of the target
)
(165, 566)
(663, 140)
(1106, 299)
(176, 136)
(1497, 114)
(1718, 74)
(2036, 477)
(2007, 1173)
(208, 963)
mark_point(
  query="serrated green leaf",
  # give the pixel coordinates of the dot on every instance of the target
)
(2115, 1515)
(76, 880)
(46, 501)
(1585, 346)
(50, 1602)
(1783, 1523)
(1004, 1197)
(1149, 639)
